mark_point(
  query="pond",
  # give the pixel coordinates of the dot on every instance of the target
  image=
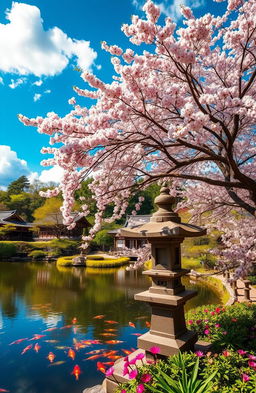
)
(47, 309)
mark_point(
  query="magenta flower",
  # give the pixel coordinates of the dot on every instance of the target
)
(140, 388)
(245, 377)
(206, 310)
(154, 350)
(226, 353)
(252, 364)
(241, 352)
(133, 374)
(146, 378)
(199, 354)
(140, 356)
(252, 357)
(198, 321)
(207, 331)
(133, 361)
(125, 370)
(110, 371)
(190, 322)
(123, 391)
(217, 325)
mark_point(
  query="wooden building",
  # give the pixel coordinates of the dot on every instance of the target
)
(52, 227)
(121, 242)
(20, 230)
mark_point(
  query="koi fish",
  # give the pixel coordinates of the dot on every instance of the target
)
(91, 342)
(51, 357)
(93, 357)
(51, 341)
(50, 329)
(26, 349)
(57, 363)
(109, 353)
(76, 371)
(108, 334)
(131, 324)
(101, 367)
(18, 341)
(74, 320)
(136, 334)
(61, 348)
(71, 354)
(95, 352)
(111, 322)
(37, 337)
(110, 330)
(148, 324)
(108, 363)
(4, 390)
(99, 317)
(114, 357)
(66, 327)
(37, 347)
(79, 345)
(126, 352)
(112, 342)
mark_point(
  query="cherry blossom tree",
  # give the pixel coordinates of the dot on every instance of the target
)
(184, 111)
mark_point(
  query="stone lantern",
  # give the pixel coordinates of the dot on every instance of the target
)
(167, 296)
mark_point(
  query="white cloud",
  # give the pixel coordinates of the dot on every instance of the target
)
(53, 174)
(47, 91)
(17, 82)
(11, 167)
(1, 81)
(38, 83)
(29, 49)
(173, 9)
(37, 97)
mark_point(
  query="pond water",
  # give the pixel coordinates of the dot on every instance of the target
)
(53, 310)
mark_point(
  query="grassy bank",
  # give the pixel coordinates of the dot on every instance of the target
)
(95, 261)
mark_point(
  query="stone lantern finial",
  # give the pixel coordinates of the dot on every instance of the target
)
(165, 202)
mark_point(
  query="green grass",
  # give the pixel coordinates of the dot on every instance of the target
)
(93, 262)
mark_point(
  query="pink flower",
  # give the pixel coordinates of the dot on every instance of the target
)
(133, 374)
(110, 371)
(140, 388)
(154, 350)
(190, 322)
(199, 354)
(133, 361)
(198, 321)
(146, 378)
(252, 357)
(245, 377)
(252, 364)
(207, 331)
(140, 356)
(241, 352)
(206, 310)
(217, 325)
(125, 370)
(226, 353)
(212, 312)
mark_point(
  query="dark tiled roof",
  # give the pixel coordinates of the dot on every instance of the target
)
(11, 217)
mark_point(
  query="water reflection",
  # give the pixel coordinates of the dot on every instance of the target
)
(38, 297)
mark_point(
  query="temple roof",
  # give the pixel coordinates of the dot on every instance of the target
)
(11, 217)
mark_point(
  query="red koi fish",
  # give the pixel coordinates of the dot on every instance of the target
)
(37, 347)
(26, 349)
(112, 342)
(74, 320)
(99, 317)
(37, 337)
(76, 371)
(18, 341)
(4, 390)
(51, 357)
(131, 324)
(111, 322)
(101, 367)
(71, 354)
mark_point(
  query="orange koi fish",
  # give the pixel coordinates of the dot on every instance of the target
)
(37, 337)
(50, 329)
(148, 324)
(51, 357)
(126, 352)
(90, 342)
(108, 363)
(111, 322)
(57, 363)
(109, 353)
(95, 352)
(71, 354)
(18, 341)
(112, 342)
(110, 330)
(114, 357)
(76, 371)
(37, 347)
(74, 320)
(93, 357)
(108, 334)
(99, 317)
(131, 324)
(101, 367)
(26, 349)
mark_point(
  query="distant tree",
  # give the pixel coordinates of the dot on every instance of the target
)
(49, 214)
(21, 203)
(18, 186)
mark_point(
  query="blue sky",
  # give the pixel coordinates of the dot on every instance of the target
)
(41, 41)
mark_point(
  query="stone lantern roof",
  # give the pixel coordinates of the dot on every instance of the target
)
(164, 223)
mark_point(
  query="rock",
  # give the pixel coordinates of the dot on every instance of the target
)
(95, 389)
(78, 261)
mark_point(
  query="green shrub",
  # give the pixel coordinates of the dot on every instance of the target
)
(37, 254)
(225, 327)
(7, 249)
(106, 262)
(252, 279)
(65, 261)
(95, 257)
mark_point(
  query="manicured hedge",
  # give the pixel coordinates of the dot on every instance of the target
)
(94, 262)
(7, 249)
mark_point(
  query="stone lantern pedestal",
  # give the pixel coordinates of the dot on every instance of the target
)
(166, 296)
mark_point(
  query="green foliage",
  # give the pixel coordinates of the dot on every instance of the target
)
(65, 261)
(7, 249)
(18, 186)
(106, 262)
(252, 279)
(37, 254)
(6, 229)
(226, 327)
